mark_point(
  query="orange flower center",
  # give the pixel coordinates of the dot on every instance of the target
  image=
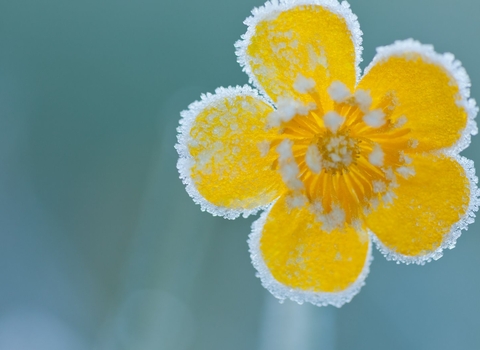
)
(345, 161)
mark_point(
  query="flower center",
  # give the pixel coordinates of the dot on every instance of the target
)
(337, 151)
(343, 161)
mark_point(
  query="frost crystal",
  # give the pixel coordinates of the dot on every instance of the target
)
(313, 159)
(363, 99)
(338, 91)
(303, 85)
(376, 157)
(406, 171)
(333, 120)
(374, 118)
(288, 108)
(288, 166)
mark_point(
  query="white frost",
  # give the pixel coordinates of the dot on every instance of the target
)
(303, 85)
(287, 108)
(338, 91)
(401, 121)
(288, 167)
(264, 148)
(379, 186)
(363, 99)
(335, 219)
(405, 159)
(376, 157)
(333, 121)
(406, 171)
(313, 159)
(296, 200)
(389, 197)
(332, 220)
(375, 118)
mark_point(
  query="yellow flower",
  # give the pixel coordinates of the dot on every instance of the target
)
(336, 160)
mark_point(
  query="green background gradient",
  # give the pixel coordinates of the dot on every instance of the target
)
(101, 246)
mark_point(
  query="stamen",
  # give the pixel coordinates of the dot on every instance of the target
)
(337, 151)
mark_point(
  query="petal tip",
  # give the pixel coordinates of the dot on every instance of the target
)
(273, 7)
(282, 292)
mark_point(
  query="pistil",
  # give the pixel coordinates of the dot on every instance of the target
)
(338, 151)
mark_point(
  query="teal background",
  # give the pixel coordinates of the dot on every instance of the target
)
(101, 246)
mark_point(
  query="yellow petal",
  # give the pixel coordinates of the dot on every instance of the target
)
(298, 260)
(290, 48)
(429, 209)
(225, 157)
(430, 91)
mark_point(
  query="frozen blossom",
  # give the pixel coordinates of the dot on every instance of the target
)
(336, 153)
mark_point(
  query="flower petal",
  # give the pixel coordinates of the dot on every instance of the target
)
(291, 47)
(430, 208)
(431, 92)
(225, 158)
(298, 260)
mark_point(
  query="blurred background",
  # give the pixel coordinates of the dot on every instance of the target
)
(101, 246)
